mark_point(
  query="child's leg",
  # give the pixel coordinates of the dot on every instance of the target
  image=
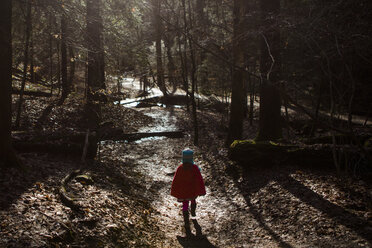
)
(193, 207)
(185, 206)
(185, 213)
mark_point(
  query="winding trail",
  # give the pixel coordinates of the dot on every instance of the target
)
(158, 158)
(129, 203)
(279, 207)
(261, 207)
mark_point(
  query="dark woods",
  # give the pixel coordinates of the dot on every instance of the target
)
(99, 97)
(302, 69)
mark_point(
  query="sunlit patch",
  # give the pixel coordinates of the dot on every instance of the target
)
(148, 139)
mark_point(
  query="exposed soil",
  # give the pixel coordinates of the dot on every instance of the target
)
(129, 205)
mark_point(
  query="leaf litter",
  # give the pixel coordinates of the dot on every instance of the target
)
(128, 202)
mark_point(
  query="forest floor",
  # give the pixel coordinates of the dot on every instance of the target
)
(128, 202)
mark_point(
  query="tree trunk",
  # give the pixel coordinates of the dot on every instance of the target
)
(202, 24)
(200, 5)
(65, 85)
(158, 36)
(5, 77)
(25, 62)
(32, 64)
(50, 54)
(7, 155)
(186, 32)
(169, 41)
(193, 83)
(72, 67)
(119, 85)
(58, 67)
(95, 70)
(238, 90)
(251, 107)
(183, 66)
(95, 78)
(251, 100)
(270, 127)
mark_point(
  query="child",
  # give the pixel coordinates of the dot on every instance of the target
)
(187, 184)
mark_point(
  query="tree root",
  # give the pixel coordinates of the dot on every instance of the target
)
(68, 201)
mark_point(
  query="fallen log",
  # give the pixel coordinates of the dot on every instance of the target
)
(73, 144)
(251, 153)
(144, 101)
(115, 134)
(31, 93)
(136, 136)
(52, 137)
(71, 149)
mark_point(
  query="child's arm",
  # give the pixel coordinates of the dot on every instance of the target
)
(176, 183)
(200, 182)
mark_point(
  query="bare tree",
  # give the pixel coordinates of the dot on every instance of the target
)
(270, 127)
(25, 61)
(156, 5)
(96, 76)
(238, 81)
(65, 85)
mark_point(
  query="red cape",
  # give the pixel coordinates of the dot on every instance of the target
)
(187, 183)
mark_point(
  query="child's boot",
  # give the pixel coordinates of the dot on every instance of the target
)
(187, 222)
(186, 217)
(193, 208)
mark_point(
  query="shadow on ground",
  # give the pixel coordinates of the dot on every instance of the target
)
(339, 214)
(251, 183)
(39, 168)
(197, 240)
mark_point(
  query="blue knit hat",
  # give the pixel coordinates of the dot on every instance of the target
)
(187, 156)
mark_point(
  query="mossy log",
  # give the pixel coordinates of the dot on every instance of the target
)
(252, 153)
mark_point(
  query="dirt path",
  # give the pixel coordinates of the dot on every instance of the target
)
(280, 207)
(129, 204)
(157, 159)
